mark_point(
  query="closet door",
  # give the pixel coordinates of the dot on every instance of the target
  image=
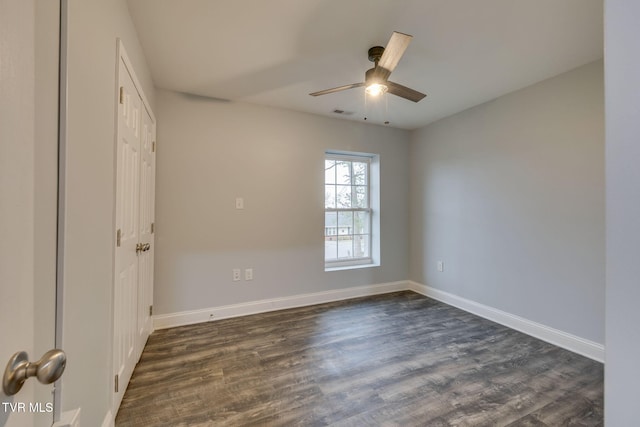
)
(135, 216)
(147, 215)
(125, 305)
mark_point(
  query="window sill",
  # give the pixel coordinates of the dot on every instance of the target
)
(351, 267)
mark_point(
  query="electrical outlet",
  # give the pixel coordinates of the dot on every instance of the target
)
(236, 274)
(248, 274)
(440, 266)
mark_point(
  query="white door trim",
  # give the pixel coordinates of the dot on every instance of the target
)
(63, 114)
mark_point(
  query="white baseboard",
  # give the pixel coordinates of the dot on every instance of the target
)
(69, 419)
(108, 421)
(562, 339)
(171, 320)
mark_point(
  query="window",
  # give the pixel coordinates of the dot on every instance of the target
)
(347, 210)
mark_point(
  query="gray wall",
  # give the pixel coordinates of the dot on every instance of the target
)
(210, 152)
(510, 195)
(89, 182)
(622, 64)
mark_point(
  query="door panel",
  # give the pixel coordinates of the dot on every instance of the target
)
(17, 171)
(29, 33)
(147, 215)
(135, 189)
(127, 222)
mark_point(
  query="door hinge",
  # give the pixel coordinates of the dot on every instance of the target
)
(116, 383)
(118, 237)
(150, 310)
(153, 227)
(121, 94)
(153, 147)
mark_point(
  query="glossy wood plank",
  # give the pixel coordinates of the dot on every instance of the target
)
(394, 359)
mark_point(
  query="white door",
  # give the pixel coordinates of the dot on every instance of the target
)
(135, 213)
(28, 195)
(127, 234)
(147, 215)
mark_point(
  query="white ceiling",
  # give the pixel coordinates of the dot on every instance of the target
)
(275, 52)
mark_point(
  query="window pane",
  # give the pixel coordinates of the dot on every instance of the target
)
(343, 196)
(345, 223)
(360, 173)
(361, 199)
(345, 246)
(361, 246)
(330, 248)
(343, 170)
(348, 226)
(361, 223)
(329, 171)
(330, 223)
(329, 196)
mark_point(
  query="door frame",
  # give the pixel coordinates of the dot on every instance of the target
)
(63, 85)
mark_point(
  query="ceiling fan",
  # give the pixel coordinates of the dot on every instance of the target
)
(376, 79)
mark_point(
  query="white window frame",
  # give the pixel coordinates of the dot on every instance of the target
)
(373, 223)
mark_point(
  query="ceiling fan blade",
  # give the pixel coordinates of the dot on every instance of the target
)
(337, 89)
(398, 43)
(404, 92)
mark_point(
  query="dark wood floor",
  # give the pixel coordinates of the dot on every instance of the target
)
(398, 359)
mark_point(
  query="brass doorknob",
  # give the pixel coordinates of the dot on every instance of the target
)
(142, 247)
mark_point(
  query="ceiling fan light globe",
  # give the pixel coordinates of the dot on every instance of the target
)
(376, 89)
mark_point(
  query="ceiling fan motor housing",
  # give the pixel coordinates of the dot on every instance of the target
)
(375, 53)
(369, 78)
